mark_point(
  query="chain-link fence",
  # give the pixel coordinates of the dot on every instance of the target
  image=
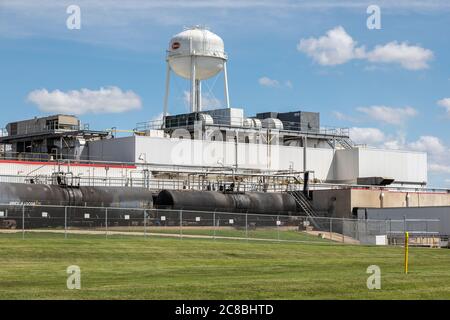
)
(113, 222)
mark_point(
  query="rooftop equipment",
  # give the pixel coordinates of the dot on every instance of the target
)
(272, 123)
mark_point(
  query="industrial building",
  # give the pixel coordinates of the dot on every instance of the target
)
(222, 149)
(59, 136)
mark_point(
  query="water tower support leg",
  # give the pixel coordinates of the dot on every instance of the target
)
(198, 95)
(225, 75)
(166, 97)
(193, 100)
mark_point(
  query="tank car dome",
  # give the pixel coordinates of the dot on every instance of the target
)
(207, 47)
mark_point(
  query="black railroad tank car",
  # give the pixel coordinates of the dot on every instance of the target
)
(124, 197)
(251, 202)
(38, 204)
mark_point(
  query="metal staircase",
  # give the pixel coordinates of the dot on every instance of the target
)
(346, 143)
(307, 208)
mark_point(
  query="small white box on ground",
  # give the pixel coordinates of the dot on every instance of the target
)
(278, 223)
(231, 221)
(381, 240)
(127, 217)
(197, 219)
(163, 218)
(87, 215)
(2, 213)
(44, 214)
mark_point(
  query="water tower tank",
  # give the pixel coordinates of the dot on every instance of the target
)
(207, 47)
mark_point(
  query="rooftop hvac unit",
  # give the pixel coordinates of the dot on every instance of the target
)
(272, 123)
(206, 119)
(257, 123)
(248, 123)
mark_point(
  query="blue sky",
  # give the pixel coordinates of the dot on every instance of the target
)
(391, 86)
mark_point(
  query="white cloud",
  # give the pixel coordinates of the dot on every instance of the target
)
(105, 100)
(439, 168)
(395, 116)
(409, 57)
(267, 82)
(343, 117)
(438, 153)
(429, 144)
(445, 103)
(369, 136)
(338, 47)
(272, 83)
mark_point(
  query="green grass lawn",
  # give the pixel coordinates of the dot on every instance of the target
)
(128, 267)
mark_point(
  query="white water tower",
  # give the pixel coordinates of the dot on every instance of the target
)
(196, 54)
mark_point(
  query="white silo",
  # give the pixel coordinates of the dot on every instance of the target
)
(196, 54)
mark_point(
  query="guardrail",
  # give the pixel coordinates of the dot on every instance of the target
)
(233, 122)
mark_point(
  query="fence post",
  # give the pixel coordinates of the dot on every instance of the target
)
(181, 224)
(343, 237)
(278, 227)
(65, 222)
(357, 228)
(23, 221)
(106, 223)
(214, 225)
(145, 223)
(331, 228)
(406, 251)
(246, 226)
(386, 227)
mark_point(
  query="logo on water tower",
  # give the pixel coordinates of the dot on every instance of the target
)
(175, 45)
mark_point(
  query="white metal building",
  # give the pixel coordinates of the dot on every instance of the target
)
(328, 165)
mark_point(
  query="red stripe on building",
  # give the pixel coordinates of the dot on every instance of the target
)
(72, 164)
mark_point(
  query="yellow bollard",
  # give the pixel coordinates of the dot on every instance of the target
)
(406, 251)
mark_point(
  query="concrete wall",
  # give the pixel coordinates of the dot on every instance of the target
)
(373, 199)
(340, 202)
(332, 203)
